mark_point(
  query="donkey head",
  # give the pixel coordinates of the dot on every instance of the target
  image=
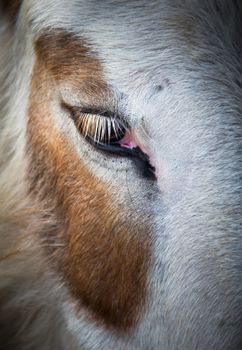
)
(129, 129)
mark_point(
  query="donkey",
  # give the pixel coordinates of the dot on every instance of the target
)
(121, 175)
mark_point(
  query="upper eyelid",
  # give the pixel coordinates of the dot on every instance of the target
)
(93, 111)
(104, 113)
(76, 111)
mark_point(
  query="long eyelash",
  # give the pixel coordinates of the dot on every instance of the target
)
(98, 127)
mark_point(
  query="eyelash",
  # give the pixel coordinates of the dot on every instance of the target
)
(100, 128)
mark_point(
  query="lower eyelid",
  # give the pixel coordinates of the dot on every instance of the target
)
(140, 159)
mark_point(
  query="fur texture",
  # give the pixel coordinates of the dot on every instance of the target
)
(94, 255)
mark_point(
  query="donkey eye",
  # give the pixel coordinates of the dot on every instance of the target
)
(100, 128)
(110, 133)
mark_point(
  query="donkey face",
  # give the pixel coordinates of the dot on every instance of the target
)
(130, 116)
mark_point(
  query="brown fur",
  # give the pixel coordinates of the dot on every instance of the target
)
(69, 58)
(104, 262)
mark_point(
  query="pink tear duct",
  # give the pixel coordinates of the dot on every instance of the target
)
(128, 141)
